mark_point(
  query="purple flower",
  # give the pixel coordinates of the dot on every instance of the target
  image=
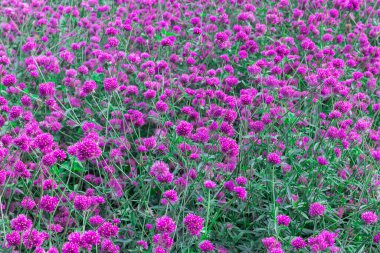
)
(48, 203)
(274, 158)
(82, 203)
(209, 184)
(316, 209)
(271, 243)
(86, 149)
(184, 128)
(298, 243)
(160, 170)
(165, 225)
(70, 247)
(369, 217)
(13, 238)
(193, 224)
(110, 84)
(206, 246)
(171, 195)
(283, 220)
(21, 223)
(108, 230)
(229, 146)
(240, 192)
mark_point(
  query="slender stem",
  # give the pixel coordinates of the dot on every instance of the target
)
(208, 209)
(274, 204)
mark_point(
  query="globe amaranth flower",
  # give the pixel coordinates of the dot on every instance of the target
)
(283, 220)
(160, 170)
(206, 246)
(316, 209)
(108, 230)
(110, 84)
(48, 203)
(21, 223)
(193, 224)
(165, 224)
(86, 149)
(229, 146)
(170, 195)
(369, 217)
(274, 158)
(184, 128)
(13, 238)
(298, 243)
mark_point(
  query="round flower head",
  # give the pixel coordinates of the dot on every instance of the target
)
(376, 237)
(369, 217)
(9, 80)
(82, 203)
(193, 224)
(110, 84)
(143, 244)
(274, 158)
(44, 141)
(160, 170)
(13, 238)
(270, 243)
(163, 241)
(298, 243)
(48, 203)
(209, 184)
(161, 106)
(206, 246)
(86, 149)
(47, 89)
(240, 192)
(108, 230)
(96, 220)
(276, 250)
(165, 224)
(52, 250)
(316, 209)
(32, 238)
(229, 146)
(21, 223)
(90, 237)
(241, 181)
(108, 246)
(49, 184)
(89, 86)
(171, 195)
(184, 128)
(70, 247)
(283, 220)
(28, 203)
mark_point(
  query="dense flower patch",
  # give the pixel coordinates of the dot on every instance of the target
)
(189, 126)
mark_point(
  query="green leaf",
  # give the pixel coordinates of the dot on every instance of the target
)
(98, 78)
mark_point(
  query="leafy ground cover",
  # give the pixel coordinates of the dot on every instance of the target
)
(189, 126)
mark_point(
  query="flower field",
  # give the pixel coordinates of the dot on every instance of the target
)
(189, 126)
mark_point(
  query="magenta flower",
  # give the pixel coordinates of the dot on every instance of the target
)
(209, 184)
(184, 128)
(206, 246)
(298, 243)
(229, 146)
(193, 224)
(316, 209)
(274, 158)
(48, 203)
(283, 220)
(369, 217)
(21, 223)
(165, 225)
